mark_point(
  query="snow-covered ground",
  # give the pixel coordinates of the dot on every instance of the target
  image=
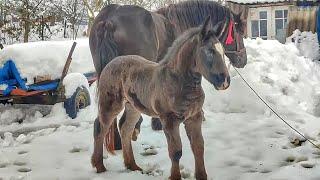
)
(243, 139)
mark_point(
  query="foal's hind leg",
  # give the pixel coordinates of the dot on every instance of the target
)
(137, 128)
(193, 129)
(109, 109)
(126, 131)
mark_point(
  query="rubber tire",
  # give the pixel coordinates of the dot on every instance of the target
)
(70, 104)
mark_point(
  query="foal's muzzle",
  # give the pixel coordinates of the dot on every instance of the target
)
(220, 81)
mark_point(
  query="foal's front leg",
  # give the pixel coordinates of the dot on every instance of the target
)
(193, 129)
(171, 130)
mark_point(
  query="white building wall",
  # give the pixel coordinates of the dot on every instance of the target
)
(253, 14)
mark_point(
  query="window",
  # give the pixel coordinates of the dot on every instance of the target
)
(281, 20)
(259, 28)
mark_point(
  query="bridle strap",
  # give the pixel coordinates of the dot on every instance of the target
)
(238, 51)
(224, 28)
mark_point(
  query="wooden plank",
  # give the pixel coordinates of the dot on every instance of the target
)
(68, 62)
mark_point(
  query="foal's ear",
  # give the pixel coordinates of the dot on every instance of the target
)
(206, 27)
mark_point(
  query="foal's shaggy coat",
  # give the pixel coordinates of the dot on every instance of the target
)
(170, 90)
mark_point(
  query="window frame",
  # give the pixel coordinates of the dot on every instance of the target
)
(283, 19)
(259, 25)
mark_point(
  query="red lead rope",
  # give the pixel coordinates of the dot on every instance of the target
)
(229, 39)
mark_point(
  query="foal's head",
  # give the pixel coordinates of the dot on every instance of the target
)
(198, 50)
(210, 61)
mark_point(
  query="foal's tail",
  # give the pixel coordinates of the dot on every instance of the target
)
(109, 139)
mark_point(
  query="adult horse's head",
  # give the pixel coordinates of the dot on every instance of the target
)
(231, 29)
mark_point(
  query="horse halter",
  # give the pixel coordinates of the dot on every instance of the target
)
(229, 39)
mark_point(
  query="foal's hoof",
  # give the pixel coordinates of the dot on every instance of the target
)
(135, 134)
(134, 168)
(99, 166)
(101, 169)
(175, 177)
(156, 124)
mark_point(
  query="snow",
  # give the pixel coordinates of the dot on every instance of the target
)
(48, 58)
(307, 43)
(256, 1)
(72, 81)
(243, 139)
(3, 87)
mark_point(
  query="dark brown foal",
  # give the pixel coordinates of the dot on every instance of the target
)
(170, 90)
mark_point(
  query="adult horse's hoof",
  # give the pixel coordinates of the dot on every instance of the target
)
(156, 124)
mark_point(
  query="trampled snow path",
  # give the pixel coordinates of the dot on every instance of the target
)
(243, 139)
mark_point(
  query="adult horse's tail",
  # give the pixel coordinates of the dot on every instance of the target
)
(103, 49)
(105, 46)
(101, 40)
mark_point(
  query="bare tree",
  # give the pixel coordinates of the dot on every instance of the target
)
(93, 8)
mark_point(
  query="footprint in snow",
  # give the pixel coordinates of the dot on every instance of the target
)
(4, 165)
(307, 165)
(24, 169)
(22, 152)
(77, 149)
(185, 173)
(19, 163)
(152, 170)
(149, 150)
(291, 160)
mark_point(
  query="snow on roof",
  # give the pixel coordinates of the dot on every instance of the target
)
(256, 1)
(48, 58)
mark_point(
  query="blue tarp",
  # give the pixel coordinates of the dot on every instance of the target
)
(10, 76)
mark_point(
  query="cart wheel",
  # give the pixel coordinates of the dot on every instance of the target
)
(79, 100)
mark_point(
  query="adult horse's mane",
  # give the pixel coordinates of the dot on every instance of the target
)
(178, 43)
(189, 14)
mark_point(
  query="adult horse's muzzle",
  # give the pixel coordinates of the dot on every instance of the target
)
(237, 58)
(220, 81)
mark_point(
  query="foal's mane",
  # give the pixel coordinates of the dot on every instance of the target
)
(189, 13)
(179, 43)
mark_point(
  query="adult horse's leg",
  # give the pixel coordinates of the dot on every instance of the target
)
(193, 129)
(171, 130)
(127, 129)
(156, 124)
(117, 138)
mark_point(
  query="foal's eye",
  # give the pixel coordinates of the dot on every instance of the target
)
(212, 51)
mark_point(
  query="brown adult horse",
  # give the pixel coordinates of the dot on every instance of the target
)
(127, 30)
(170, 90)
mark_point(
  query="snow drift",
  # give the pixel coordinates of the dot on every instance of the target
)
(48, 58)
